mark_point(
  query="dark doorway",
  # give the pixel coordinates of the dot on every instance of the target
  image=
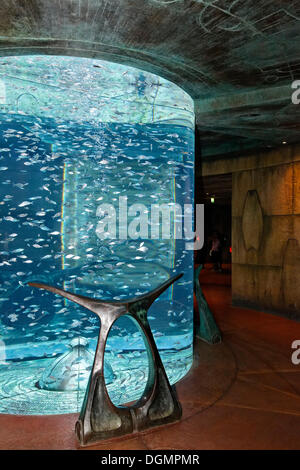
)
(215, 193)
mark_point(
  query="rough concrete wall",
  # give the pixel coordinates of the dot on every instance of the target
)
(266, 237)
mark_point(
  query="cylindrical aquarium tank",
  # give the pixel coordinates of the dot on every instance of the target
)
(89, 151)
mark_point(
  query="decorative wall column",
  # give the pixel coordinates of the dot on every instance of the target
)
(266, 234)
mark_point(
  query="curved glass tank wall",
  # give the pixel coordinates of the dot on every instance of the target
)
(77, 133)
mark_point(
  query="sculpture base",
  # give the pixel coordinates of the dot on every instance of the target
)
(100, 418)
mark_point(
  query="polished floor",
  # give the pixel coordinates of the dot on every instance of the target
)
(241, 394)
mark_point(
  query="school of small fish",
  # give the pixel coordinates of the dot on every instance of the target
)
(54, 173)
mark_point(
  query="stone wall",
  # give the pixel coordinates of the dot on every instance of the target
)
(266, 230)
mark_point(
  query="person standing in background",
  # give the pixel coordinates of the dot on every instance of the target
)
(216, 251)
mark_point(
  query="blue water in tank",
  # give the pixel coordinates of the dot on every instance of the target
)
(54, 175)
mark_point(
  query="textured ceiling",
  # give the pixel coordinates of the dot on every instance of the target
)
(236, 58)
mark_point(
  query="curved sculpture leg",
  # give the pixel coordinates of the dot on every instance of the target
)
(208, 329)
(99, 417)
(159, 404)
